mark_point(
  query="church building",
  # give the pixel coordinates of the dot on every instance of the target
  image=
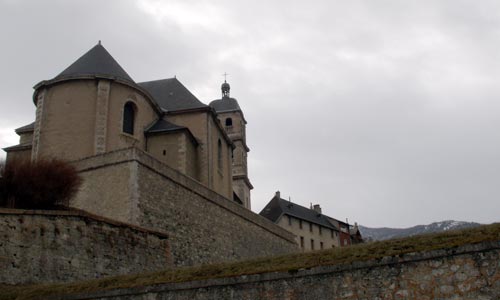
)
(94, 107)
(152, 157)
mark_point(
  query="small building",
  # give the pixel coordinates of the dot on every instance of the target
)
(345, 238)
(313, 230)
(356, 237)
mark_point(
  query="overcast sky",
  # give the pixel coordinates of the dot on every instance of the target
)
(384, 112)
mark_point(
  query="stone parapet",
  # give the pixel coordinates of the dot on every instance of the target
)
(40, 246)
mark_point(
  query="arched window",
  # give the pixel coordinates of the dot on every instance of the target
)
(229, 122)
(219, 154)
(129, 118)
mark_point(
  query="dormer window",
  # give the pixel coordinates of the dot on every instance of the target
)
(129, 118)
(229, 122)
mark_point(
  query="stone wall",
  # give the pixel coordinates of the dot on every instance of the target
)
(204, 227)
(470, 272)
(62, 246)
(176, 150)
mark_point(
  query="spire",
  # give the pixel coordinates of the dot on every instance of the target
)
(97, 61)
(225, 87)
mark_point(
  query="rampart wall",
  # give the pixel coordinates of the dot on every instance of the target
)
(470, 272)
(62, 246)
(203, 227)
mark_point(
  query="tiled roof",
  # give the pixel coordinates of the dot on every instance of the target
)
(27, 128)
(18, 147)
(171, 95)
(225, 104)
(164, 126)
(278, 207)
(97, 61)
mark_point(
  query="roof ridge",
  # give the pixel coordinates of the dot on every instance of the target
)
(156, 80)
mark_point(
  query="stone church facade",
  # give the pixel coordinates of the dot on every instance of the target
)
(94, 107)
(153, 156)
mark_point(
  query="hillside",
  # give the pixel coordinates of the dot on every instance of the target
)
(385, 233)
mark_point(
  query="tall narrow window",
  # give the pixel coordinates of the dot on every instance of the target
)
(289, 221)
(302, 242)
(128, 118)
(219, 154)
(312, 244)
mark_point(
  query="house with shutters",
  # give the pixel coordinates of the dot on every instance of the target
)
(312, 229)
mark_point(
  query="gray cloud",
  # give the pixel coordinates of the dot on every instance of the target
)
(386, 113)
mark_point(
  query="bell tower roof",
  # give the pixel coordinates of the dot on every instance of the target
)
(226, 103)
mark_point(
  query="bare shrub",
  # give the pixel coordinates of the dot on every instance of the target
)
(44, 184)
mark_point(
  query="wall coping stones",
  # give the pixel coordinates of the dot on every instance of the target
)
(81, 214)
(273, 276)
(134, 154)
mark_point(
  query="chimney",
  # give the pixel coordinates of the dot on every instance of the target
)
(278, 195)
(317, 208)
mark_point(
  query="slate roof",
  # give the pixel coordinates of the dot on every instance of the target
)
(169, 94)
(278, 207)
(225, 104)
(97, 61)
(27, 128)
(164, 126)
(18, 147)
(172, 95)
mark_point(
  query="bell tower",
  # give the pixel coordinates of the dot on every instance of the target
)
(232, 119)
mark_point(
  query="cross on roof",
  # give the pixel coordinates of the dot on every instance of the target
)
(225, 76)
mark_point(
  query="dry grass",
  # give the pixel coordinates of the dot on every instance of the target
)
(285, 263)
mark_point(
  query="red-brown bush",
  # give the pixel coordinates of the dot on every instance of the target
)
(44, 184)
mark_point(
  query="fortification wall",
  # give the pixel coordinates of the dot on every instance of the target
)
(63, 246)
(470, 272)
(203, 226)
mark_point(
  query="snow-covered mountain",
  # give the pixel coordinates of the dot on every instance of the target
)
(385, 233)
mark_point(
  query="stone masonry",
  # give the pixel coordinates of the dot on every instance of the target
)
(63, 246)
(203, 227)
(470, 272)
